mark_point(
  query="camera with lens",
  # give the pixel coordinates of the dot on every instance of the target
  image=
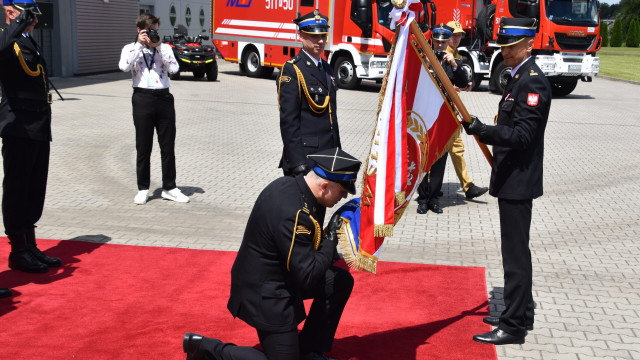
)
(153, 35)
(439, 54)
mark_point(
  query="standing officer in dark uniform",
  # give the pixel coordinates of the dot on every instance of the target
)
(307, 99)
(284, 258)
(25, 127)
(516, 176)
(430, 187)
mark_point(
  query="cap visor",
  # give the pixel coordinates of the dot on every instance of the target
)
(34, 8)
(319, 31)
(508, 40)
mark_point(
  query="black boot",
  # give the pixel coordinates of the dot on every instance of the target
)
(42, 257)
(4, 292)
(21, 258)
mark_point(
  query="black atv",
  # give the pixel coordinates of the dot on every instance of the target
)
(192, 55)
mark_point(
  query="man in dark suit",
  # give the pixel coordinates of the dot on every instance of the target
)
(307, 98)
(429, 190)
(285, 258)
(516, 176)
(25, 127)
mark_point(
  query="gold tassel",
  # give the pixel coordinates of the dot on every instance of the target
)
(400, 198)
(383, 230)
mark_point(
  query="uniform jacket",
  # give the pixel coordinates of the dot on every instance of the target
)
(305, 129)
(458, 77)
(277, 264)
(518, 136)
(24, 109)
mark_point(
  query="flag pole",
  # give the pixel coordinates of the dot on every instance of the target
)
(415, 29)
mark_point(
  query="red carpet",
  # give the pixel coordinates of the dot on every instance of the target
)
(132, 302)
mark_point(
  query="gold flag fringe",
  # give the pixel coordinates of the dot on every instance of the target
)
(400, 198)
(355, 261)
(383, 230)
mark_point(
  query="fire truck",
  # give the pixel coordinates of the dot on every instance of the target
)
(565, 46)
(260, 35)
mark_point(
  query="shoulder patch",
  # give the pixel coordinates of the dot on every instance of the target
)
(285, 78)
(301, 229)
(532, 99)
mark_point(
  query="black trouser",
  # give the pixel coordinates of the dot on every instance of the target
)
(317, 334)
(26, 165)
(431, 185)
(154, 111)
(515, 222)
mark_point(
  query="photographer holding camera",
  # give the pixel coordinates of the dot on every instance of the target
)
(25, 128)
(429, 189)
(150, 63)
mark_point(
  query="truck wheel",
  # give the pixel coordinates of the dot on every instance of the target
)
(499, 76)
(212, 71)
(175, 76)
(199, 74)
(563, 87)
(251, 61)
(476, 79)
(345, 71)
(486, 19)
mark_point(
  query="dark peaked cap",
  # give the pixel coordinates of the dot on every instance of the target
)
(313, 23)
(442, 32)
(337, 166)
(514, 30)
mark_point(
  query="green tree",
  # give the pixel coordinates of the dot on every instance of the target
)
(633, 35)
(617, 36)
(604, 32)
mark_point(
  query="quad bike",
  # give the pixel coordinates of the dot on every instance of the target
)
(192, 55)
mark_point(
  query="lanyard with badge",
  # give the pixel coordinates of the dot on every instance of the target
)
(149, 63)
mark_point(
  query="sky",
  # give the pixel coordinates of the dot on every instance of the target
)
(610, 2)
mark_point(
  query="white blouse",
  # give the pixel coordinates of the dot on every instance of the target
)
(149, 70)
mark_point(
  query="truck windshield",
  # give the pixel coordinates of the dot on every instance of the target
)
(384, 8)
(573, 12)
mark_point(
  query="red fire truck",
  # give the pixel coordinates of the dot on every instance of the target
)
(565, 46)
(261, 36)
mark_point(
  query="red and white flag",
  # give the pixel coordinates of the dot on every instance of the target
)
(415, 126)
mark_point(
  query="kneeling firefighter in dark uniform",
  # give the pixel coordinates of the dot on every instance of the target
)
(25, 127)
(307, 98)
(285, 257)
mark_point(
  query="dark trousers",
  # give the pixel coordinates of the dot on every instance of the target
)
(317, 334)
(26, 166)
(431, 185)
(515, 222)
(155, 112)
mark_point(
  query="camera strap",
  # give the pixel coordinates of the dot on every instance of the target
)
(150, 62)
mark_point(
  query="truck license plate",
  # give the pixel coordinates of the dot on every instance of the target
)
(575, 68)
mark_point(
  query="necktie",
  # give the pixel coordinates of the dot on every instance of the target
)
(320, 65)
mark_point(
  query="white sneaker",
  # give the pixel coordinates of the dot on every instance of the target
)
(141, 197)
(175, 195)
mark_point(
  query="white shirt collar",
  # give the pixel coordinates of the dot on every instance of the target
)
(315, 61)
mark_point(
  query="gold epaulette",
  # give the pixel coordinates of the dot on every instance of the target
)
(301, 229)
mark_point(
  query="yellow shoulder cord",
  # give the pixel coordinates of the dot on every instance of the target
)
(25, 67)
(317, 236)
(318, 109)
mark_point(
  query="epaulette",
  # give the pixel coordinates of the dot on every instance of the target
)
(292, 60)
(533, 73)
(302, 229)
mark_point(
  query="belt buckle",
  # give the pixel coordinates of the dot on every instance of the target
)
(49, 98)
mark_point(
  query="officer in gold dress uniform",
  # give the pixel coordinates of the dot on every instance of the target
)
(285, 257)
(25, 127)
(516, 175)
(307, 98)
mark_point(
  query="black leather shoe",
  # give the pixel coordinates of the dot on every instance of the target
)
(495, 321)
(422, 208)
(24, 260)
(4, 292)
(191, 344)
(475, 191)
(498, 337)
(435, 208)
(43, 258)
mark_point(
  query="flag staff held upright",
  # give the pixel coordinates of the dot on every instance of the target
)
(415, 29)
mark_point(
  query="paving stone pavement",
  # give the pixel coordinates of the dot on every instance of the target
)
(583, 236)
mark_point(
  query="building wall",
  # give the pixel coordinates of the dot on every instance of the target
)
(200, 14)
